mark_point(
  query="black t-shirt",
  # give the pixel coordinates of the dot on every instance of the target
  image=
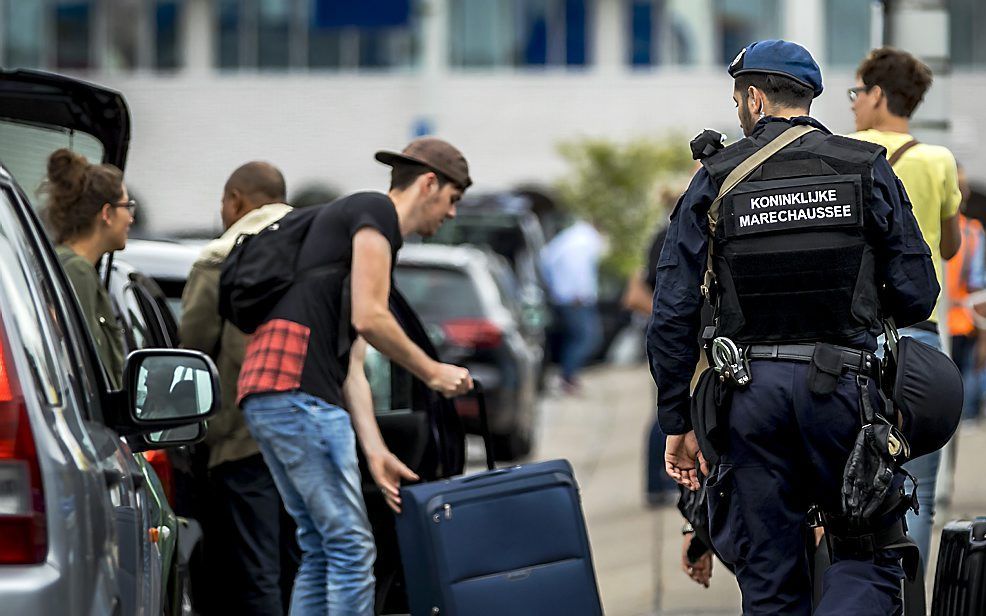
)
(316, 302)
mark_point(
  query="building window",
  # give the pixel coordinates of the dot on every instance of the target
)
(22, 34)
(374, 34)
(321, 34)
(491, 33)
(672, 32)
(741, 22)
(642, 27)
(274, 34)
(166, 43)
(847, 31)
(72, 34)
(968, 46)
(123, 35)
(228, 37)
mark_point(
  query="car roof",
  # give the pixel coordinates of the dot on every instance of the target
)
(161, 259)
(441, 255)
(506, 203)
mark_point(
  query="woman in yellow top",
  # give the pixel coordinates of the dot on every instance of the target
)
(89, 213)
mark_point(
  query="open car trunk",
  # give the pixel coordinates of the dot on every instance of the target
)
(41, 112)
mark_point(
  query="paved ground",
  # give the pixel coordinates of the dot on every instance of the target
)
(636, 549)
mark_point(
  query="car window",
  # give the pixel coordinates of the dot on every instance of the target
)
(390, 384)
(438, 293)
(25, 148)
(139, 335)
(500, 232)
(30, 302)
(505, 282)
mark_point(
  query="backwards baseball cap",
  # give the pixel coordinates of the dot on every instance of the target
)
(776, 57)
(436, 154)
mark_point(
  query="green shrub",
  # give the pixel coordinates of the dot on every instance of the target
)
(624, 189)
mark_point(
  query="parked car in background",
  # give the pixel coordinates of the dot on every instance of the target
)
(167, 263)
(504, 223)
(148, 322)
(467, 300)
(100, 530)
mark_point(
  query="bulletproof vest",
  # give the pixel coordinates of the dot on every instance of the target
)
(790, 255)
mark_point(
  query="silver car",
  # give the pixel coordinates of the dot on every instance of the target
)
(75, 504)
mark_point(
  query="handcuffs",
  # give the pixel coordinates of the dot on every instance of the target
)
(730, 362)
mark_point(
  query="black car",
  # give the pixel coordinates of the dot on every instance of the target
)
(468, 301)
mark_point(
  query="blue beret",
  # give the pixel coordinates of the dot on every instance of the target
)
(776, 57)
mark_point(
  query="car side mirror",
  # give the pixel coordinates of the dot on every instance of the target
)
(165, 389)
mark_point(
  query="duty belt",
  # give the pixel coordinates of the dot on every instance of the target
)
(853, 360)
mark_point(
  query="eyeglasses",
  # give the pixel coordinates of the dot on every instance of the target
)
(131, 205)
(854, 92)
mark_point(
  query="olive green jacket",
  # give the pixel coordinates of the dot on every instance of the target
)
(97, 310)
(203, 329)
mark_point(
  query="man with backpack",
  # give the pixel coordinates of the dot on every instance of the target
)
(298, 379)
(251, 549)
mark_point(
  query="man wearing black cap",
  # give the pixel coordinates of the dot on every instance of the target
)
(297, 381)
(812, 243)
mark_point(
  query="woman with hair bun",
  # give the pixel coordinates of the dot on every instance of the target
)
(89, 214)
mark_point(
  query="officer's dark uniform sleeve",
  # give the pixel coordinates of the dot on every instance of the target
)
(675, 321)
(903, 261)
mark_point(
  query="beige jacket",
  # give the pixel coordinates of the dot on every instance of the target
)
(202, 329)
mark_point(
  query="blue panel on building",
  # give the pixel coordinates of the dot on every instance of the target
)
(575, 32)
(362, 13)
(642, 31)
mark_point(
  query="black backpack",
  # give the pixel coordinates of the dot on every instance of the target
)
(262, 267)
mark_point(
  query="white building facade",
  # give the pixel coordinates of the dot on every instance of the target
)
(316, 86)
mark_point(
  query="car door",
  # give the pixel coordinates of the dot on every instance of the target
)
(100, 460)
(39, 113)
(421, 428)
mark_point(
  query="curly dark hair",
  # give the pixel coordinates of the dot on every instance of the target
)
(902, 77)
(77, 191)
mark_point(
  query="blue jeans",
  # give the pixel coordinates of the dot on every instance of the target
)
(310, 448)
(582, 334)
(920, 526)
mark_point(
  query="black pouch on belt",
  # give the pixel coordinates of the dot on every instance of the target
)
(825, 369)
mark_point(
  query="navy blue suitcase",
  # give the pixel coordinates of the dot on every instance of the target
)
(504, 542)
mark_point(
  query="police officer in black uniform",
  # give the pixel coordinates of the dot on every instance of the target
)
(810, 251)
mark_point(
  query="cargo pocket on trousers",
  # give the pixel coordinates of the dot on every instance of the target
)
(725, 520)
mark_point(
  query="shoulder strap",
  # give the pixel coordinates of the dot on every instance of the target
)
(750, 165)
(900, 151)
(739, 174)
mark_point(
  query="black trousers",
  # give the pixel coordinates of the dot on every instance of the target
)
(251, 551)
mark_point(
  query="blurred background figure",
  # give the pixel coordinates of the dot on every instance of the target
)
(638, 297)
(964, 275)
(570, 263)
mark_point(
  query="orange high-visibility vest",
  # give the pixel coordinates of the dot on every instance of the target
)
(960, 322)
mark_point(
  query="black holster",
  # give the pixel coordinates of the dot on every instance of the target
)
(860, 540)
(710, 415)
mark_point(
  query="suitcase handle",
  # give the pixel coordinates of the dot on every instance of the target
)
(484, 423)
